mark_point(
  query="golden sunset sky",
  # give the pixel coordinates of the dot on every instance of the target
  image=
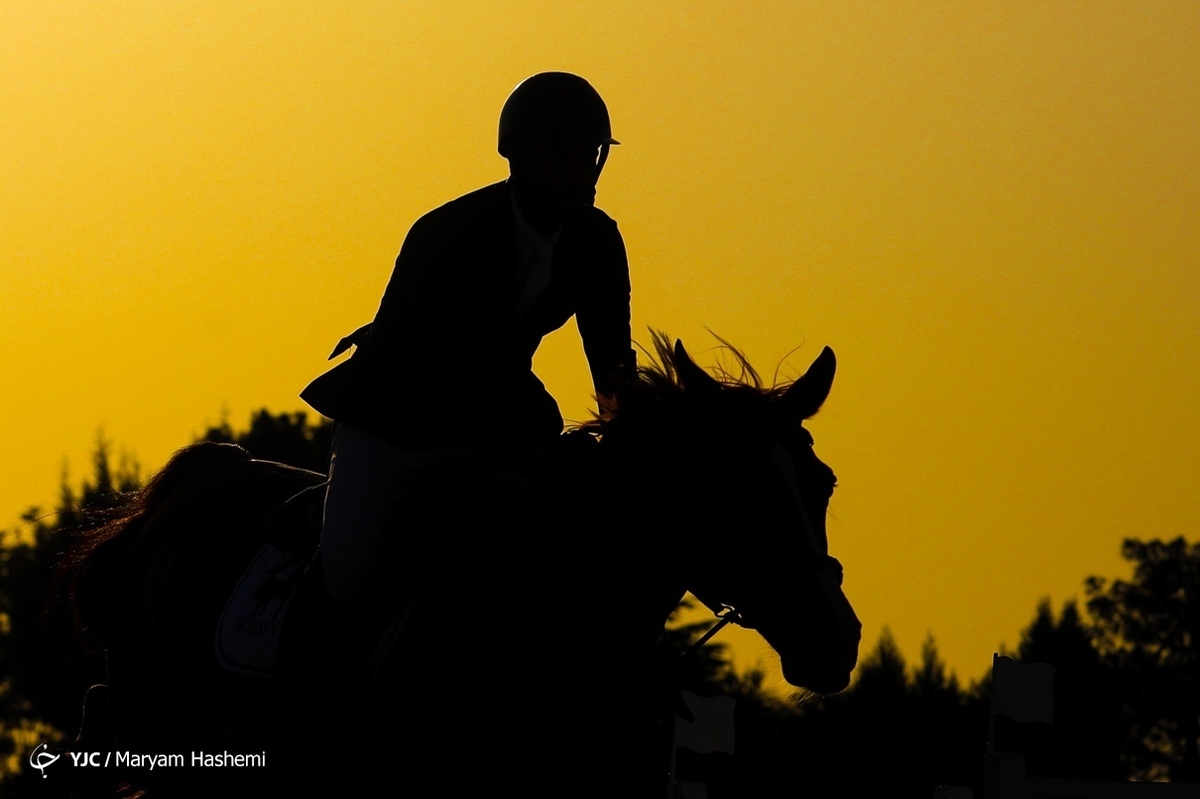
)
(991, 212)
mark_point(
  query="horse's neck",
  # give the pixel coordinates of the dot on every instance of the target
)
(626, 500)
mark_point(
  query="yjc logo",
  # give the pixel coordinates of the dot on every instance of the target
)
(41, 759)
(87, 759)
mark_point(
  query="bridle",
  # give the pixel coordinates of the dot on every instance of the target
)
(727, 613)
(784, 464)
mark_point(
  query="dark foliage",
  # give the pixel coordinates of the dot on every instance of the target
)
(901, 731)
(1085, 740)
(897, 731)
(1148, 631)
(36, 658)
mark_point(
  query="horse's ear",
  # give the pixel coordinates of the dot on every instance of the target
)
(691, 376)
(807, 394)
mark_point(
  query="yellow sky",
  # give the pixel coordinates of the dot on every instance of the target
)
(989, 210)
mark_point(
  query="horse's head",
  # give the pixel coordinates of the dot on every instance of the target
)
(755, 539)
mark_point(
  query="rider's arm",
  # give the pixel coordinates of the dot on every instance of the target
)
(603, 316)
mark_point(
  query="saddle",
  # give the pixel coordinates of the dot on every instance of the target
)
(251, 626)
(278, 620)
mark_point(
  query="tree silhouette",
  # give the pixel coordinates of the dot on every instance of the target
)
(903, 731)
(897, 731)
(1085, 739)
(41, 673)
(1148, 630)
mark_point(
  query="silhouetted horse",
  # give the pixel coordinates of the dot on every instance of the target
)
(522, 647)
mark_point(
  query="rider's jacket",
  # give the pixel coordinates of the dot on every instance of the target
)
(448, 360)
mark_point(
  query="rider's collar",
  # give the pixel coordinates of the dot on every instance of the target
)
(529, 236)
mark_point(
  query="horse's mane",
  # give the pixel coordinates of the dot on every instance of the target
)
(660, 392)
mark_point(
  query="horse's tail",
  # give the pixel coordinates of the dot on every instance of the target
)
(89, 574)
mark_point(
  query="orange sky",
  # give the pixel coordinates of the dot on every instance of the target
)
(988, 210)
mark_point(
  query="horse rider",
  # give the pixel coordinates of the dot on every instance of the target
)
(442, 378)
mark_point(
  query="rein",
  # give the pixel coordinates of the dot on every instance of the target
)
(728, 613)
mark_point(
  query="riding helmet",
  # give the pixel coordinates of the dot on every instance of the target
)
(554, 107)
